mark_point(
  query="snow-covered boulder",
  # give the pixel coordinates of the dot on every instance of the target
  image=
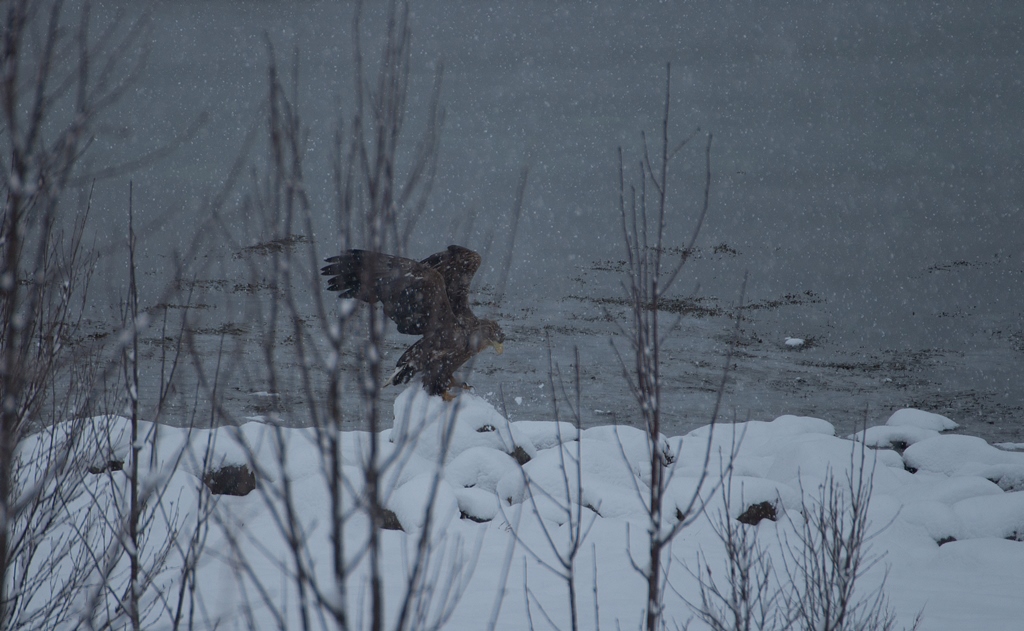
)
(410, 501)
(889, 437)
(910, 417)
(480, 468)
(961, 455)
(432, 425)
(545, 434)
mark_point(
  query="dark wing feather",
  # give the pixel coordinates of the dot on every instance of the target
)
(456, 265)
(413, 294)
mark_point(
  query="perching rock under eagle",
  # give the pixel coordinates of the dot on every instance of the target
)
(428, 298)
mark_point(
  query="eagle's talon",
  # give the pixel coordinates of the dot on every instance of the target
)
(447, 396)
(455, 383)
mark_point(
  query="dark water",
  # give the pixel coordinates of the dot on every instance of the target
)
(867, 173)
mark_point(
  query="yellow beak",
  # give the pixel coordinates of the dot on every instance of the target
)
(499, 348)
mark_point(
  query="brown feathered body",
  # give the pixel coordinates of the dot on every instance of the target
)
(428, 298)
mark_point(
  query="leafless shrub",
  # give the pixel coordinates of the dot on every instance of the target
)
(74, 551)
(55, 79)
(564, 543)
(817, 581)
(746, 597)
(832, 553)
(644, 210)
(381, 189)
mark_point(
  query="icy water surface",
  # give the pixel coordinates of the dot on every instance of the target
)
(866, 165)
(825, 377)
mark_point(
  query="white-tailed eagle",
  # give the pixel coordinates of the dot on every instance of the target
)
(428, 298)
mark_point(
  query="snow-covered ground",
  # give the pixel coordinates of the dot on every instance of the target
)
(946, 515)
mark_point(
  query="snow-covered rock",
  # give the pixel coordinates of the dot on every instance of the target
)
(411, 501)
(910, 417)
(961, 455)
(889, 437)
(480, 468)
(432, 425)
(545, 434)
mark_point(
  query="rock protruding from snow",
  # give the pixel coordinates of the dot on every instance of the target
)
(755, 513)
(237, 479)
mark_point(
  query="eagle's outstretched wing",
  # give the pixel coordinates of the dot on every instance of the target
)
(413, 294)
(456, 265)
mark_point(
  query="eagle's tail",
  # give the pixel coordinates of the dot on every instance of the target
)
(402, 374)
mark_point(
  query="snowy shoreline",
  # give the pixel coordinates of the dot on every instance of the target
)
(493, 520)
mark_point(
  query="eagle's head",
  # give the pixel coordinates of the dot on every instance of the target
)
(488, 333)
